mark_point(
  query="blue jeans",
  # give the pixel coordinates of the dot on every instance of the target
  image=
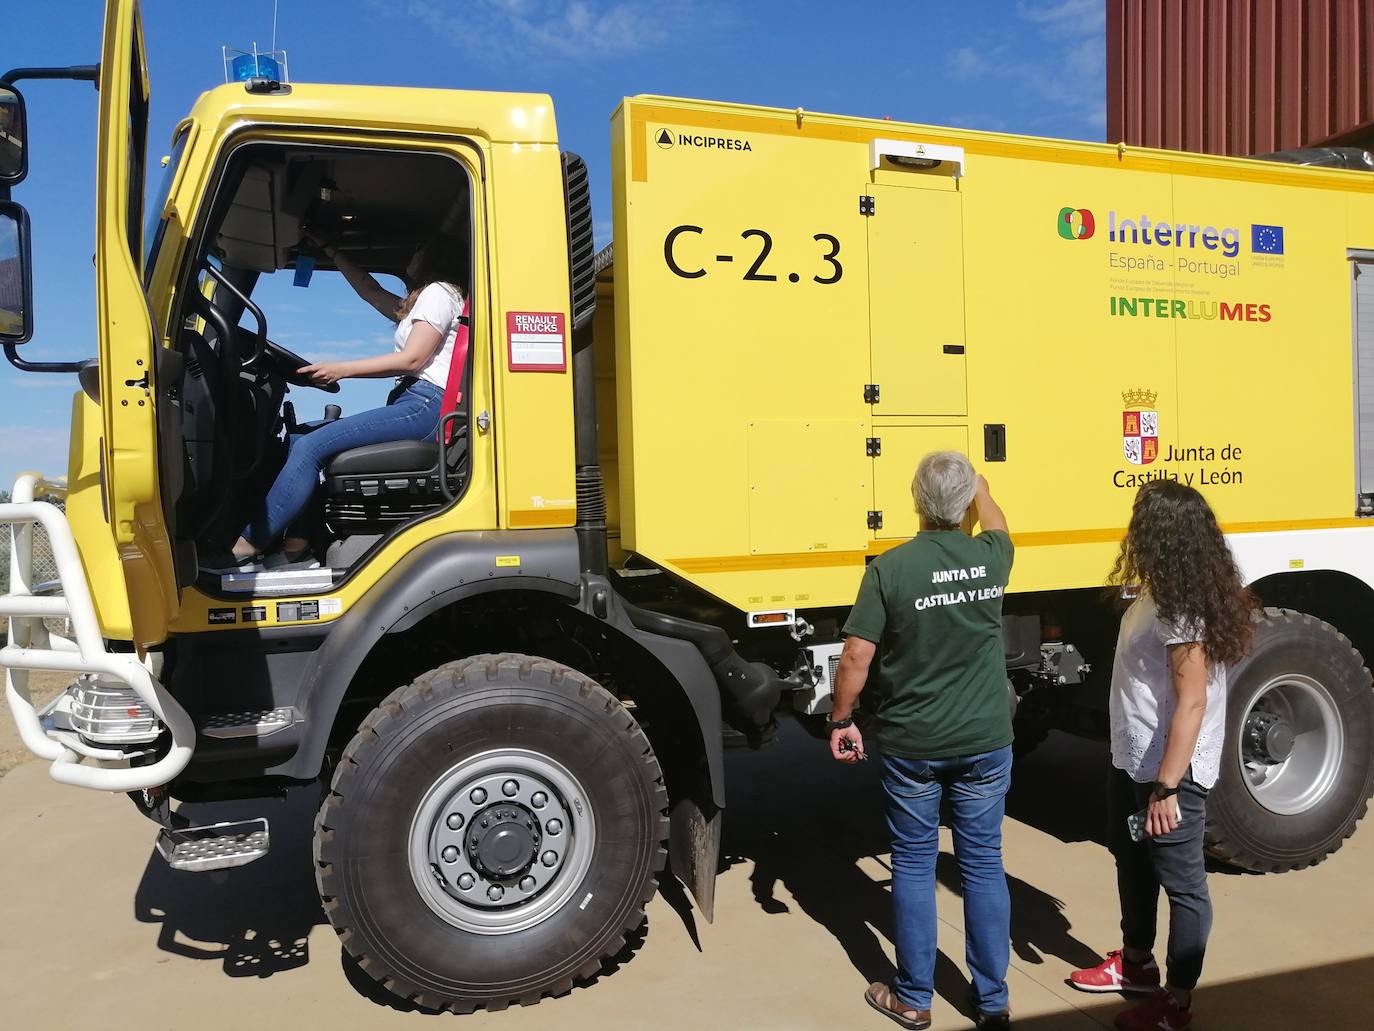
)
(410, 414)
(977, 789)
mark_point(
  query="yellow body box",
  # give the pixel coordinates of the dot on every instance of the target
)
(805, 304)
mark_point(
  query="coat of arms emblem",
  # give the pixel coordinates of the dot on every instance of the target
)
(1140, 427)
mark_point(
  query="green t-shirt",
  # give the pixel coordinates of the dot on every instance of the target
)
(933, 606)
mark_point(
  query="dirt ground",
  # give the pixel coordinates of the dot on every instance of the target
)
(97, 929)
(42, 687)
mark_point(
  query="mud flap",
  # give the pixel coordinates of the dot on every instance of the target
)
(694, 850)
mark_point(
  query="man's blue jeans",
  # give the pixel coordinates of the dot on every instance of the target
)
(976, 787)
(411, 413)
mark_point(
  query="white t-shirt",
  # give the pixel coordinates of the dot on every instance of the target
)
(1143, 699)
(440, 305)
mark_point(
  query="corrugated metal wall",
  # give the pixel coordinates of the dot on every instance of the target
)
(1238, 76)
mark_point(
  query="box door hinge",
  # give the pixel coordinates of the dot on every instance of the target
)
(867, 204)
(875, 520)
(874, 446)
(870, 393)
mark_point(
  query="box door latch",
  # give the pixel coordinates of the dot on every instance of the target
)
(994, 442)
(875, 520)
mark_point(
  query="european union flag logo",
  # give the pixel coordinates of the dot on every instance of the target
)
(1266, 239)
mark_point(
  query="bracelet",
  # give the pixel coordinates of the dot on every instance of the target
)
(848, 721)
(1162, 791)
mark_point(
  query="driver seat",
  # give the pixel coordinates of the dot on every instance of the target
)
(374, 488)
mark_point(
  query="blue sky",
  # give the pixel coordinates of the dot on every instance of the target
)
(1032, 67)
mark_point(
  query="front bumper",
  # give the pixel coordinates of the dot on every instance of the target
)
(31, 646)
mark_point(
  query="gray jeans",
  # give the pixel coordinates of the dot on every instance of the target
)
(1174, 862)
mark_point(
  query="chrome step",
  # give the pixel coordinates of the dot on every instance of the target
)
(217, 846)
(278, 581)
(248, 723)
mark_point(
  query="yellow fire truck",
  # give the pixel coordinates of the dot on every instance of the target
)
(531, 638)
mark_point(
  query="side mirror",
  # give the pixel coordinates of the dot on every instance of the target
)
(16, 282)
(14, 155)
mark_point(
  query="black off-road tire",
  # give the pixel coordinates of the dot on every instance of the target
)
(1241, 831)
(403, 748)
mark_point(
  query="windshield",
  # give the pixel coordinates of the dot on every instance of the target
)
(152, 232)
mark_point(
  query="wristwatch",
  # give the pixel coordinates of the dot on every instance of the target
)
(1161, 791)
(848, 721)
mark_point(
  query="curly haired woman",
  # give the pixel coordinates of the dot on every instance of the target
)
(1191, 618)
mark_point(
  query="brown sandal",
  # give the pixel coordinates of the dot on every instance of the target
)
(883, 999)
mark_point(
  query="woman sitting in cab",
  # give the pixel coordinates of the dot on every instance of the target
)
(427, 321)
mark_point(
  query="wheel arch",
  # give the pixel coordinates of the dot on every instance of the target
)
(1331, 595)
(449, 600)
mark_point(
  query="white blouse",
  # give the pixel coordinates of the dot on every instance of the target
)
(1143, 698)
(440, 305)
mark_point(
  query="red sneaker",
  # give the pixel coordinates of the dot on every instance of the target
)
(1161, 1012)
(1114, 974)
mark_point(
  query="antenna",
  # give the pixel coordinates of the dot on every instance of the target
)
(274, 26)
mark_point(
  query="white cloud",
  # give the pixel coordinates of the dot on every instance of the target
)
(1070, 85)
(569, 29)
(1066, 18)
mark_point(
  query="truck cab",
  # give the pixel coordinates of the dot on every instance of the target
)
(462, 577)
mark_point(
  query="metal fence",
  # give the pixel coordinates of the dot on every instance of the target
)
(44, 565)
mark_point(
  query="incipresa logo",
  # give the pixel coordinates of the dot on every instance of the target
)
(1076, 223)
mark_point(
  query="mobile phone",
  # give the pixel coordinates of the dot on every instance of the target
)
(1135, 823)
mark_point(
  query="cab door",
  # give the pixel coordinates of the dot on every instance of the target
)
(128, 391)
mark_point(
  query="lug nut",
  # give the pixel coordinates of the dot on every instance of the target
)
(539, 800)
(549, 858)
(527, 884)
(509, 788)
(466, 881)
(455, 822)
(450, 855)
(478, 796)
(554, 827)
(495, 892)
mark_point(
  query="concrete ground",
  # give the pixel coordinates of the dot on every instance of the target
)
(98, 932)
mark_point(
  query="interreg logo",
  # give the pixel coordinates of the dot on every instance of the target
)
(1079, 224)
(1076, 223)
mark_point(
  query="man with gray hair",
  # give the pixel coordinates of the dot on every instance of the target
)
(931, 611)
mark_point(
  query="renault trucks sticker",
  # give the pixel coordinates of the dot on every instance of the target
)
(536, 341)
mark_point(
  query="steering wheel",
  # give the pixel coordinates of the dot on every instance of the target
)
(286, 364)
(281, 361)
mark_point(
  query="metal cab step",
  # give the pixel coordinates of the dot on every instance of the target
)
(216, 846)
(249, 723)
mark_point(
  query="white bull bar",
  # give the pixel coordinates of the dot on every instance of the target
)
(32, 647)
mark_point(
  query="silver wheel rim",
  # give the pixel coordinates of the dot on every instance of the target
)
(534, 808)
(1307, 775)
